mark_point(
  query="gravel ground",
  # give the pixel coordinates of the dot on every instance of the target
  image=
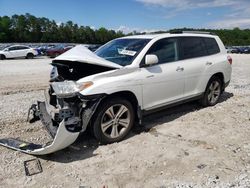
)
(185, 146)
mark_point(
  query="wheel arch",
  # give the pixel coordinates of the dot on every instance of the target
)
(220, 76)
(204, 100)
(30, 53)
(2, 56)
(131, 97)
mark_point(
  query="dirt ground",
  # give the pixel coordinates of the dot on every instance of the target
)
(184, 146)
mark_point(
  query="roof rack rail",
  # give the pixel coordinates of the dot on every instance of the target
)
(194, 32)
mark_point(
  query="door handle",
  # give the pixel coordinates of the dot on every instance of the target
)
(209, 63)
(150, 76)
(180, 69)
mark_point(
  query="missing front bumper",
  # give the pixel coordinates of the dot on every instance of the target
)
(63, 139)
(64, 124)
(62, 136)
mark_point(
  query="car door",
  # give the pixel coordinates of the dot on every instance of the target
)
(194, 55)
(163, 83)
(23, 51)
(12, 51)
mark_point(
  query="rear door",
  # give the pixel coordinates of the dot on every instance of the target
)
(194, 56)
(163, 83)
(23, 51)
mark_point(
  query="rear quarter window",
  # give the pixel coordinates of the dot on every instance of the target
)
(211, 46)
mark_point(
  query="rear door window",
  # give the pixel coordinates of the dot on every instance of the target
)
(22, 48)
(192, 47)
(19, 48)
(211, 46)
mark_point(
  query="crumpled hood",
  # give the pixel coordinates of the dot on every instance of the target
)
(83, 55)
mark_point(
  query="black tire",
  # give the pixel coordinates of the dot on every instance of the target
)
(213, 92)
(29, 56)
(101, 114)
(2, 57)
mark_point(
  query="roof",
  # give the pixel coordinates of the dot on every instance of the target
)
(17, 45)
(146, 36)
(164, 35)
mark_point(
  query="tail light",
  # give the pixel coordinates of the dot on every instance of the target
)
(230, 60)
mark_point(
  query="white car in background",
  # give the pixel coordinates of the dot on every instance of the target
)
(111, 89)
(17, 51)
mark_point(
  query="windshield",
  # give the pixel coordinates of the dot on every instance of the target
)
(58, 47)
(3, 47)
(122, 51)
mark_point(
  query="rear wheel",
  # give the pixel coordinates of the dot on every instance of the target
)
(113, 120)
(213, 92)
(29, 56)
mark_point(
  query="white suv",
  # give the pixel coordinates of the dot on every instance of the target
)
(17, 51)
(111, 89)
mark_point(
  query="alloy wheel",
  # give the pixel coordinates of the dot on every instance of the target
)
(214, 92)
(115, 121)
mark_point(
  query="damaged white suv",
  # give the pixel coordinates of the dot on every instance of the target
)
(112, 88)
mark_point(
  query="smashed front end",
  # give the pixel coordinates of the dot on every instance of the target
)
(63, 117)
(65, 113)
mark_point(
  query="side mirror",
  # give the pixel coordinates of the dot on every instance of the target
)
(6, 50)
(151, 59)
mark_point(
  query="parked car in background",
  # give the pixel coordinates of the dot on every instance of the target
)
(93, 47)
(44, 48)
(229, 49)
(238, 50)
(36, 47)
(241, 50)
(246, 50)
(235, 50)
(17, 51)
(58, 50)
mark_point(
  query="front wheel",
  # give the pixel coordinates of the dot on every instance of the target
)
(113, 120)
(2, 57)
(212, 93)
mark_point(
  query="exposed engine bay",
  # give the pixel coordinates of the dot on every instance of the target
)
(73, 70)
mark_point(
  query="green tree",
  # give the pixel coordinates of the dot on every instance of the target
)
(28, 28)
(5, 29)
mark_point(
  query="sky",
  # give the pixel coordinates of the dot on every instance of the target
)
(139, 15)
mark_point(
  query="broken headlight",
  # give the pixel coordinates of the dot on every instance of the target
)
(69, 88)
